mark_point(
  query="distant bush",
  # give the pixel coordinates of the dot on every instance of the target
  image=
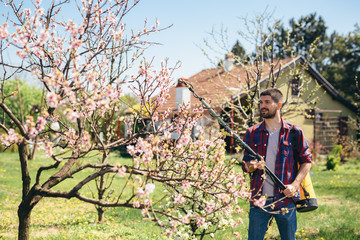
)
(12, 148)
(333, 160)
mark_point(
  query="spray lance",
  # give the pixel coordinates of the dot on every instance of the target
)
(251, 152)
(307, 200)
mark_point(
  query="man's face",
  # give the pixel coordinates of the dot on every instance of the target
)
(268, 107)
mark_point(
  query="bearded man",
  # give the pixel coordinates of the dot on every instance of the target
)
(271, 139)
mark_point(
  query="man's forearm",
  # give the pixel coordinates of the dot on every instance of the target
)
(304, 169)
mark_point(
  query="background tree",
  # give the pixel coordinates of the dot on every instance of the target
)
(342, 62)
(335, 56)
(25, 100)
(19, 92)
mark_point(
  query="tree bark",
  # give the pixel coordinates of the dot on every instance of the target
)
(101, 192)
(100, 212)
(29, 197)
(24, 214)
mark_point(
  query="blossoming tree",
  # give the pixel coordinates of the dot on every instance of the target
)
(83, 64)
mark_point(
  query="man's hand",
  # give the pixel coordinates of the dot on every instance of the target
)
(291, 190)
(254, 164)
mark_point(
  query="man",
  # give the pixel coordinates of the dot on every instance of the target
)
(271, 139)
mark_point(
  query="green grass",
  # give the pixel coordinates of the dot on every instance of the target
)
(338, 216)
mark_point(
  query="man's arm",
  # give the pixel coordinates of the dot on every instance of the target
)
(291, 189)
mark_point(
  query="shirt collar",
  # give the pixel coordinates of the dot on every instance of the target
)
(283, 125)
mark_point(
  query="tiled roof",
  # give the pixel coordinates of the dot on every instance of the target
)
(217, 86)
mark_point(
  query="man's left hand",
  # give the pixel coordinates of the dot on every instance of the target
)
(290, 190)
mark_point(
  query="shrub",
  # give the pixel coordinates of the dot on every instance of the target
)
(334, 158)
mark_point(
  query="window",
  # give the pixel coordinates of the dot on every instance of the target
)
(343, 126)
(295, 83)
(309, 114)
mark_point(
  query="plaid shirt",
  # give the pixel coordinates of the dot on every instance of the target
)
(285, 166)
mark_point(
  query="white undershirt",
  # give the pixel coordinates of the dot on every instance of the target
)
(271, 154)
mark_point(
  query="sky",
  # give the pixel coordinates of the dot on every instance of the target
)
(193, 20)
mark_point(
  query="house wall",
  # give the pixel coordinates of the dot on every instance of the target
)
(294, 112)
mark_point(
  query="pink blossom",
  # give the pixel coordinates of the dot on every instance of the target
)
(185, 219)
(141, 193)
(260, 202)
(43, 37)
(3, 32)
(200, 221)
(12, 137)
(38, 52)
(237, 235)
(167, 134)
(136, 204)
(149, 188)
(169, 233)
(238, 209)
(224, 197)
(147, 202)
(90, 104)
(179, 199)
(75, 44)
(21, 54)
(39, 11)
(131, 149)
(244, 193)
(144, 212)
(33, 132)
(210, 207)
(71, 115)
(52, 99)
(185, 184)
(122, 171)
(49, 149)
(40, 124)
(37, 2)
(85, 140)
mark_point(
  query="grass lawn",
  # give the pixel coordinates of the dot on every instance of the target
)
(338, 216)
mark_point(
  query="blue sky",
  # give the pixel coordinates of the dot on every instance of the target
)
(193, 19)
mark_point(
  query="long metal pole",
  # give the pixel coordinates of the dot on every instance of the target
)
(243, 144)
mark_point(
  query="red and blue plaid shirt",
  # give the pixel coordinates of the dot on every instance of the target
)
(285, 166)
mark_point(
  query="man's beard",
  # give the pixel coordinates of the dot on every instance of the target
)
(268, 114)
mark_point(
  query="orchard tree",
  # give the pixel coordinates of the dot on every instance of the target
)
(84, 65)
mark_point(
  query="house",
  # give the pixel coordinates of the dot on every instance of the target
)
(310, 100)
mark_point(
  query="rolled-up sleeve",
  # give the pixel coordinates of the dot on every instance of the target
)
(304, 150)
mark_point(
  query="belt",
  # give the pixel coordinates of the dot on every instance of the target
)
(270, 198)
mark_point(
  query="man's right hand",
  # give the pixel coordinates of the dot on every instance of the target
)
(254, 164)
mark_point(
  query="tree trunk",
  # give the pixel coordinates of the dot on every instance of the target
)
(101, 191)
(29, 197)
(100, 212)
(24, 214)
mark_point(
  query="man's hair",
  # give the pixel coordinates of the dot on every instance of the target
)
(274, 93)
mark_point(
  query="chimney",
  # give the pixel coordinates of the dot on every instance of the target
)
(182, 94)
(229, 60)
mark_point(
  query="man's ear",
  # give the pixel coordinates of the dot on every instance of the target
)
(279, 105)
